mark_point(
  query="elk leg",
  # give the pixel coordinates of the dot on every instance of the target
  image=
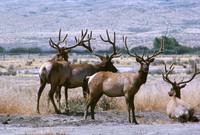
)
(133, 111)
(88, 103)
(94, 104)
(42, 86)
(66, 100)
(86, 111)
(58, 96)
(85, 92)
(128, 107)
(51, 94)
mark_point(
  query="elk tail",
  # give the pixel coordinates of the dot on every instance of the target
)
(86, 90)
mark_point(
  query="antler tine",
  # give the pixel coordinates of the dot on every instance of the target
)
(126, 46)
(89, 44)
(195, 73)
(167, 72)
(88, 47)
(108, 38)
(143, 54)
(103, 38)
(82, 41)
(59, 36)
(51, 44)
(161, 50)
(115, 53)
(113, 43)
(56, 45)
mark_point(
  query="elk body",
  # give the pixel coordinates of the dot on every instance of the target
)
(177, 108)
(119, 84)
(57, 71)
(80, 71)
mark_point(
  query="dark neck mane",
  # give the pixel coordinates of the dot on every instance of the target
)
(99, 67)
(142, 78)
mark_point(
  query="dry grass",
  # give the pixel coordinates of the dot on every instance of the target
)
(18, 93)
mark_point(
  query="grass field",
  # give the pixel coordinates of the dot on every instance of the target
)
(18, 93)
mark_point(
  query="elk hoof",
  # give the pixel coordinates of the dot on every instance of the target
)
(67, 110)
(58, 112)
(135, 122)
(38, 111)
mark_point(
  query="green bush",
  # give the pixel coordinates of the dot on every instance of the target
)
(25, 50)
(2, 49)
(172, 46)
(34, 50)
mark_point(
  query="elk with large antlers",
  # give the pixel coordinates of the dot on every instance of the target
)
(80, 71)
(57, 72)
(177, 108)
(119, 84)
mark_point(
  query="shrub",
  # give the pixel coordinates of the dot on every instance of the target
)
(107, 103)
(25, 50)
(34, 50)
(76, 104)
(2, 49)
(172, 46)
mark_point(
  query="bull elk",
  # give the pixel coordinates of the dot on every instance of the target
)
(80, 71)
(57, 71)
(119, 84)
(177, 108)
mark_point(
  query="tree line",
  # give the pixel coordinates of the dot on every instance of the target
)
(172, 46)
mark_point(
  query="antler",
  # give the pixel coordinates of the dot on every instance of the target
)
(195, 73)
(115, 53)
(89, 37)
(161, 50)
(167, 72)
(56, 45)
(79, 42)
(132, 55)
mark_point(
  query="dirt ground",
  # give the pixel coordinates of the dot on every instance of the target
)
(108, 122)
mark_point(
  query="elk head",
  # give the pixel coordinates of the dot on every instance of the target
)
(63, 51)
(144, 62)
(176, 86)
(107, 64)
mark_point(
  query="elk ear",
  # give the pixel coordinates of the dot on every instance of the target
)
(102, 58)
(182, 86)
(151, 60)
(138, 60)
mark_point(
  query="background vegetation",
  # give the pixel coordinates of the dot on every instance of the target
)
(172, 46)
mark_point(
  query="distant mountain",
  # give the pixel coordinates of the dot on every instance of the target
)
(32, 22)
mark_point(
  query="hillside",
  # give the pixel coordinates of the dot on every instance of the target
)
(32, 22)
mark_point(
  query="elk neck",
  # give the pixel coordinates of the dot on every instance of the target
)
(178, 94)
(100, 67)
(142, 77)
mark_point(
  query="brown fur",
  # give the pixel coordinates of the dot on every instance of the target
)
(57, 75)
(115, 85)
(79, 72)
(119, 84)
(57, 71)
